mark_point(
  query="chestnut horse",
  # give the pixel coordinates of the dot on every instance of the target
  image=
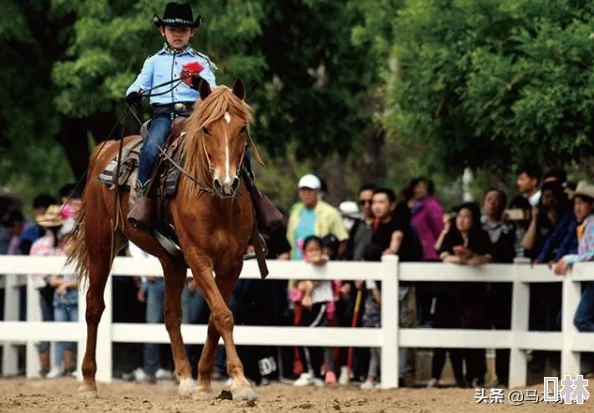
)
(213, 225)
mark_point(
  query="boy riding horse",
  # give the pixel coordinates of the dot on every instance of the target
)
(176, 61)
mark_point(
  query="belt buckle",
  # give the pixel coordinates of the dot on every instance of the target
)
(179, 107)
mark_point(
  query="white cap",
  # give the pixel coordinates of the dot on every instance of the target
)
(349, 208)
(310, 181)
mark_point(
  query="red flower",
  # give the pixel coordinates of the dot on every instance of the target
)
(189, 70)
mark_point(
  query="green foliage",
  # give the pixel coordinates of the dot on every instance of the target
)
(309, 67)
(358, 90)
(495, 82)
(32, 35)
(303, 72)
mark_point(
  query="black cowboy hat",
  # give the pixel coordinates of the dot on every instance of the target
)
(177, 15)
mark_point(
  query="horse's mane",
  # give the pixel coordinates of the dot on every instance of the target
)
(219, 101)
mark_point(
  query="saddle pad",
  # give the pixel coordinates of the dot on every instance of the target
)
(129, 172)
(130, 155)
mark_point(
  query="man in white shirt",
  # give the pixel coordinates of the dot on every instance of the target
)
(528, 181)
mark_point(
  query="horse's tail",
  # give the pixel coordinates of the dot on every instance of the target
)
(79, 255)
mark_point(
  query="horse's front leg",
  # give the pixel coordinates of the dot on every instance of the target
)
(217, 294)
(241, 389)
(175, 278)
(206, 364)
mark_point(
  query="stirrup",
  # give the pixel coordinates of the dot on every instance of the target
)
(252, 255)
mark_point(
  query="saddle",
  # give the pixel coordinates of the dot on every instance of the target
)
(166, 178)
(131, 157)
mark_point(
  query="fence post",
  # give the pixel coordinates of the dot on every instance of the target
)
(10, 353)
(104, 338)
(82, 315)
(518, 368)
(33, 314)
(389, 305)
(570, 360)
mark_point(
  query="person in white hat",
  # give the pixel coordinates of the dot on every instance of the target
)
(314, 217)
(350, 213)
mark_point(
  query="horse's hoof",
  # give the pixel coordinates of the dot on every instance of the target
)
(87, 392)
(186, 387)
(244, 393)
(202, 393)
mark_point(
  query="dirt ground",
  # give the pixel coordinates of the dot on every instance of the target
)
(21, 395)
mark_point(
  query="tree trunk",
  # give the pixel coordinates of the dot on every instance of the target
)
(73, 137)
(586, 164)
(372, 162)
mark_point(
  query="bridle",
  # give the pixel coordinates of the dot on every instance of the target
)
(201, 187)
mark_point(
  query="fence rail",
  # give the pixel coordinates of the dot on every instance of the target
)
(389, 338)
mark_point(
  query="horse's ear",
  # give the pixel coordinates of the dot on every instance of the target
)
(239, 88)
(203, 89)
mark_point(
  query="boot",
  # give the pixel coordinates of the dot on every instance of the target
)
(141, 216)
(267, 214)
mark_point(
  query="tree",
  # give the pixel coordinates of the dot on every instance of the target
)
(34, 34)
(297, 58)
(495, 82)
(312, 67)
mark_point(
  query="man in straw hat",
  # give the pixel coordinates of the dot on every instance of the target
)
(45, 246)
(583, 201)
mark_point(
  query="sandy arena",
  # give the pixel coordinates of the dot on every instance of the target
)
(27, 396)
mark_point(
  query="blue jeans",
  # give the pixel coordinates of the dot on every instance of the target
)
(159, 131)
(584, 315)
(155, 298)
(64, 312)
(194, 307)
(194, 311)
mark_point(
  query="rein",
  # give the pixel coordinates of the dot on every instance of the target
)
(169, 82)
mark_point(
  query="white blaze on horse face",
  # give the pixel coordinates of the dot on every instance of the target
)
(227, 177)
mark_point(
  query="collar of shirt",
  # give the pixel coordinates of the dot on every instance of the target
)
(187, 49)
(494, 231)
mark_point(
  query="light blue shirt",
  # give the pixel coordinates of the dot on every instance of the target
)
(165, 66)
(305, 228)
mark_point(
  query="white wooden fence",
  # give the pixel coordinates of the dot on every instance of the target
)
(389, 338)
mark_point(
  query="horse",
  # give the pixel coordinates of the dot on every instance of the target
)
(213, 217)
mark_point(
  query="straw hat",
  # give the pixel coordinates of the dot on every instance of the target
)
(584, 188)
(52, 217)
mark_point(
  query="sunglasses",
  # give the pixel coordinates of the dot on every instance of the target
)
(364, 201)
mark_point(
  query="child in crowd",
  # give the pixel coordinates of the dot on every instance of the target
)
(314, 297)
(330, 245)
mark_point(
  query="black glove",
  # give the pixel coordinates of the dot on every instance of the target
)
(196, 81)
(133, 98)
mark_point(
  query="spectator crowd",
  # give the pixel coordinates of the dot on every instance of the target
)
(550, 222)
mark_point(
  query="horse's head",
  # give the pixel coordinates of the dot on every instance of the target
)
(219, 131)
